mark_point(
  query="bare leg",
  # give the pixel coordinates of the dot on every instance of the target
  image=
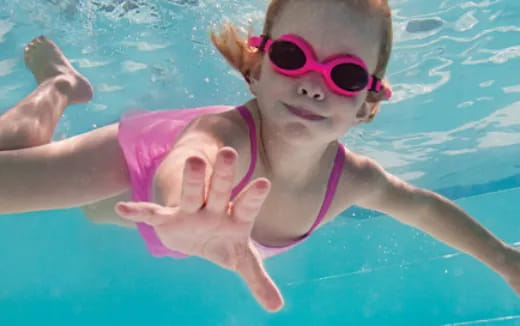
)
(33, 120)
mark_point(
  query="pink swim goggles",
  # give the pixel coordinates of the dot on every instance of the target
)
(292, 56)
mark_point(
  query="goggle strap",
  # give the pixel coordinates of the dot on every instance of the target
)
(261, 42)
(376, 85)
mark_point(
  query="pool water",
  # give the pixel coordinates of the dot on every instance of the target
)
(452, 127)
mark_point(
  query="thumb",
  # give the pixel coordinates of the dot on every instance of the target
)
(259, 282)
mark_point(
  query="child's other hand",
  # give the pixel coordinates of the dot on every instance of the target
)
(208, 225)
(511, 272)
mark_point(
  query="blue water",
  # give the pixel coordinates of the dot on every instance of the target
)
(453, 127)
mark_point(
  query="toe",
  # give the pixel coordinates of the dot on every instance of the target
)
(29, 46)
(28, 50)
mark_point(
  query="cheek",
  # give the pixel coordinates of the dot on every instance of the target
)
(271, 83)
(346, 111)
(359, 101)
(348, 105)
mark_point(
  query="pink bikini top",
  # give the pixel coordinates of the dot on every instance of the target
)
(329, 195)
(146, 138)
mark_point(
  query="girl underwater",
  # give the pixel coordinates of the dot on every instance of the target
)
(220, 182)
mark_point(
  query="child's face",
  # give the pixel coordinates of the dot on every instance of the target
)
(331, 29)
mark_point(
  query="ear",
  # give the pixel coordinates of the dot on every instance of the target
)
(363, 114)
(254, 77)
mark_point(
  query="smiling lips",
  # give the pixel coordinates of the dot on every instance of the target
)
(304, 114)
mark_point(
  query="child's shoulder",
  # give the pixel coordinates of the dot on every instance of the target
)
(357, 181)
(360, 165)
(361, 175)
(226, 124)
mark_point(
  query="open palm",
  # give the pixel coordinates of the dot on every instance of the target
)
(207, 224)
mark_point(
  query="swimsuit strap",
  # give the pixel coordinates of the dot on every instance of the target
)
(244, 112)
(335, 174)
(332, 185)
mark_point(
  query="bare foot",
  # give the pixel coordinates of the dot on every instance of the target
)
(46, 61)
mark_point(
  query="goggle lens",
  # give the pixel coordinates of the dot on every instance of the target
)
(287, 55)
(350, 77)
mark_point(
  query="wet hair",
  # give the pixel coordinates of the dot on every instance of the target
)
(234, 47)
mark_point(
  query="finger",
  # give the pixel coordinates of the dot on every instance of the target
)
(148, 213)
(260, 283)
(192, 193)
(249, 202)
(221, 185)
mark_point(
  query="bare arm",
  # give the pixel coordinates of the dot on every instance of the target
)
(433, 214)
(69, 173)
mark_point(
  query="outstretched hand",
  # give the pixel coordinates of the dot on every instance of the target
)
(511, 273)
(207, 224)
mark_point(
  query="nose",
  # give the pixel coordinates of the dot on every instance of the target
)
(312, 88)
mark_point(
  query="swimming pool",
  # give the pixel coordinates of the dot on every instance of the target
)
(453, 127)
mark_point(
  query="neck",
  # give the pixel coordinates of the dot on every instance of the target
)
(293, 164)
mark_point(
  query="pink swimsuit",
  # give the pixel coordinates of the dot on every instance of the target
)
(146, 137)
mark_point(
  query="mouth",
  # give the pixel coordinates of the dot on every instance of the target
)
(304, 114)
